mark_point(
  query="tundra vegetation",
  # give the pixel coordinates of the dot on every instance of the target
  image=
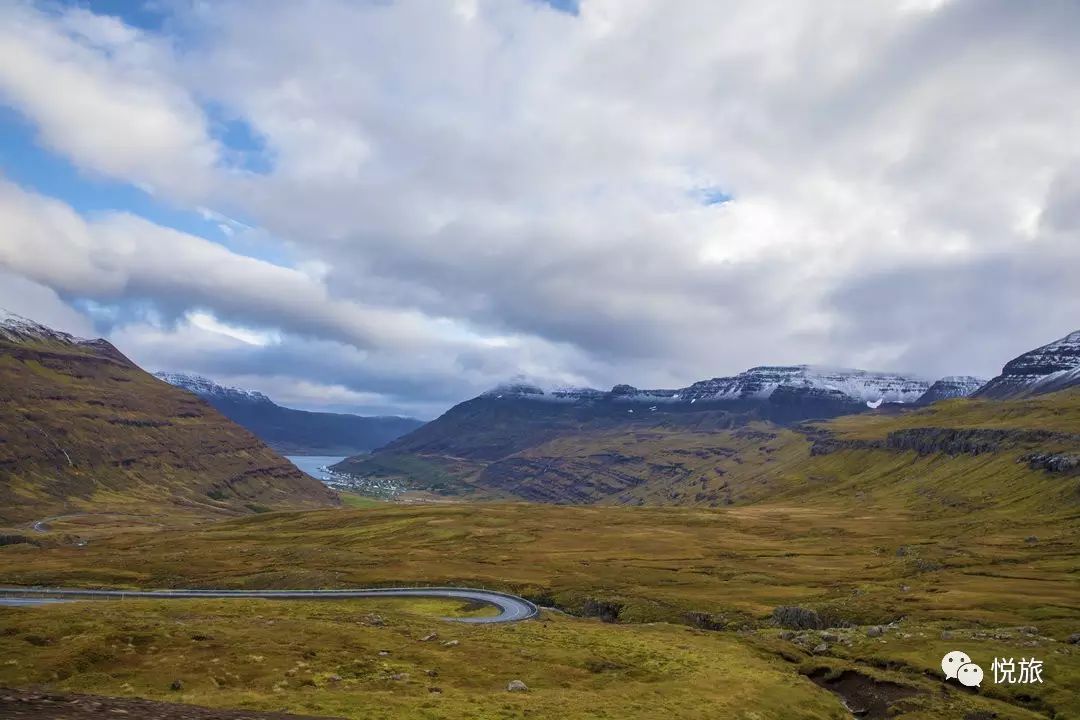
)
(867, 548)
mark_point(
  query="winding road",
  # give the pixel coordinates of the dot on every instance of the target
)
(511, 608)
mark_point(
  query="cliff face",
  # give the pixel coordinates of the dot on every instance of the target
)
(82, 428)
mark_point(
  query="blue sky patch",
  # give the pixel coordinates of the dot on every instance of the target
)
(244, 148)
(712, 196)
(142, 14)
(571, 7)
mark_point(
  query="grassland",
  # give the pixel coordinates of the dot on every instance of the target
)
(948, 548)
(370, 660)
(680, 568)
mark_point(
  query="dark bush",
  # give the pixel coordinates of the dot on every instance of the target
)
(796, 618)
(705, 621)
(603, 609)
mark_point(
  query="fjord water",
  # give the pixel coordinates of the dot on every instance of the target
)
(314, 465)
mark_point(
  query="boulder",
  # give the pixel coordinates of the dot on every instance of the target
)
(517, 686)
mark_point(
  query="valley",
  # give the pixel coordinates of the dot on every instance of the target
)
(702, 583)
(669, 551)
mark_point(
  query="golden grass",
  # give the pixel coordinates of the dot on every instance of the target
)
(339, 659)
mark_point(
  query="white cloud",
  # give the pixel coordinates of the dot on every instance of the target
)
(101, 93)
(207, 321)
(497, 187)
(37, 302)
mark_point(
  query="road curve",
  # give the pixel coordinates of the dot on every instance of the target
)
(511, 607)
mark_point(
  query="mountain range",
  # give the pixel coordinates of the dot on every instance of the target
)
(626, 444)
(83, 425)
(512, 417)
(295, 432)
(83, 428)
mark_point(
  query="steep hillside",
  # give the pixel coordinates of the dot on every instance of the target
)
(82, 428)
(1054, 366)
(295, 432)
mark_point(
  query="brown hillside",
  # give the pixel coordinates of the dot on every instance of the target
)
(82, 428)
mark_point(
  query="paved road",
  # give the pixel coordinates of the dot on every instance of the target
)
(512, 608)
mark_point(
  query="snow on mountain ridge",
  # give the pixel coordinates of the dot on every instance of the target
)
(16, 328)
(1051, 367)
(757, 383)
(761, 382)
(205, 387)
(951, 386)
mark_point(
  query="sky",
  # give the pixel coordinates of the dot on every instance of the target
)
(388, 207)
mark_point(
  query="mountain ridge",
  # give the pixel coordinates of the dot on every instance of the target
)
(475, 439)
(712, 442)
(83, 428)
(951, 386)
(1048, 368)
(759, 382)
(292, 431)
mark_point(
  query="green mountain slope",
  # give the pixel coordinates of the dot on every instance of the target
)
(963, 452)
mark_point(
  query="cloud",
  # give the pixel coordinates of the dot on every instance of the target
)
(37, 302)
(472, 191)
(101, 93)
(120, 256)
(324, 373)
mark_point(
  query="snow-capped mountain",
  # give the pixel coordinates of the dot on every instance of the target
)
(18, 329)
(762, 382)
(952, 386)
(207, 388)
(759, 383)
(290, 431)
(1054, 366)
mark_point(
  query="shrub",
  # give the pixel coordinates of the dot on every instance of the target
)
(796, 618)
(603, 609)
